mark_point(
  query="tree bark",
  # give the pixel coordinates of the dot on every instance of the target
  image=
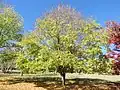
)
(63, 78)
(3, 69)
(21, 74)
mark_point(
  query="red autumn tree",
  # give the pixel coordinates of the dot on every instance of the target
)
(113, 29)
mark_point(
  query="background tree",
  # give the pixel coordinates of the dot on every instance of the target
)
(113, 30)
(8, 60)
(11, 25)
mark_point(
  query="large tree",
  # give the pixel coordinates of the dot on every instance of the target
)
(59, 42)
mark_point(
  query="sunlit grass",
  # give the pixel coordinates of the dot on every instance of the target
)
(53, 82)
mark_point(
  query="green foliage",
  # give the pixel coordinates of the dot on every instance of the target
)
(63, 41)
(7, 60)
(97, 66)
(55, 37)
(10, 25)
(95, 37)
(22, 63)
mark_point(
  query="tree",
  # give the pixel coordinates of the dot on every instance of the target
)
(58, 42)
(113, 30)
(7, 60)
(11, 25)
(28, 53)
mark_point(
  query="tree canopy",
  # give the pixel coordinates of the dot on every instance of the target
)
(62, 41)
(11, 24)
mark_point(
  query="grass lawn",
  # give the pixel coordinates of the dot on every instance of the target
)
(53, 82)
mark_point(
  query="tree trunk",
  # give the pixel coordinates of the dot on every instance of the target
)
(21, 74)
(63, 78)
(3, 69)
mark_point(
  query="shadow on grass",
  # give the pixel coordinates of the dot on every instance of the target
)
(51, 83)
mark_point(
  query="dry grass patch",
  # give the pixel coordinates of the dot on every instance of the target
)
(51, 83)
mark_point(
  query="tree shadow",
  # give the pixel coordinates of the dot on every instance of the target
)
(54, 83)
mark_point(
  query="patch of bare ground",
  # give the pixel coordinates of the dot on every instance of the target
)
(52, 83)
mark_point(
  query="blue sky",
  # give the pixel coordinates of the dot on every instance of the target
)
(101, 10)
